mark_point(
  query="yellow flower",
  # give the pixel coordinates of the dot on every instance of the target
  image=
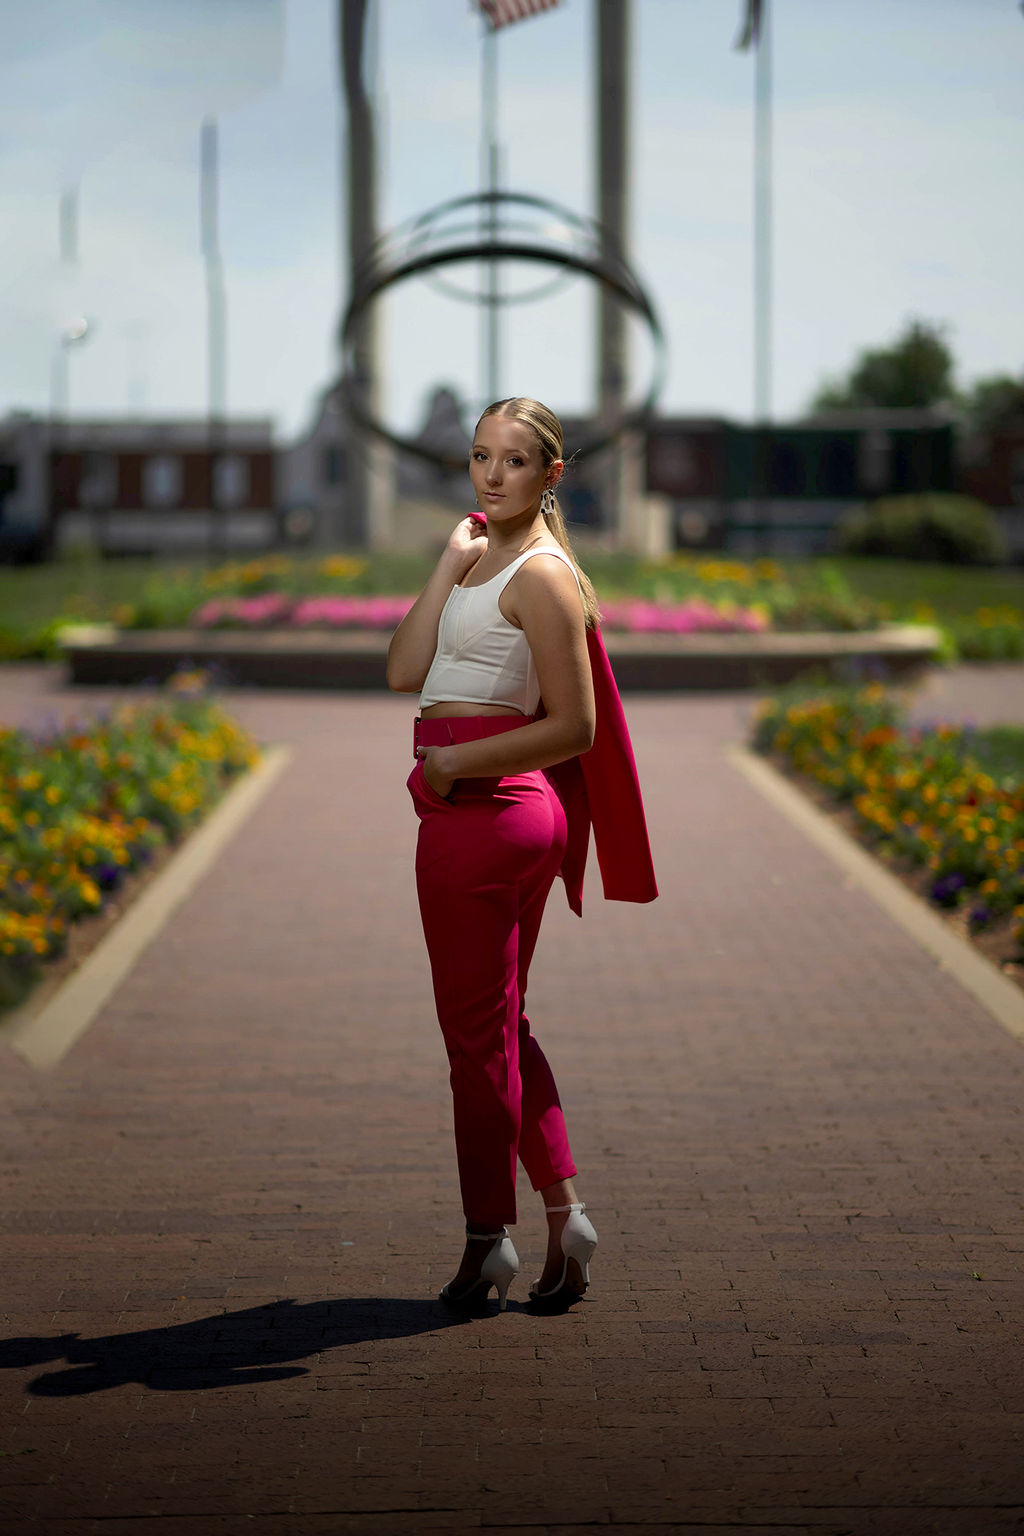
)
(341, 565)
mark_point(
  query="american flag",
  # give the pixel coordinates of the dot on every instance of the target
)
(750, 32)
(500, 12)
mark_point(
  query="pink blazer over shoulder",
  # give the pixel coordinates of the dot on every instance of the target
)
(601, 789)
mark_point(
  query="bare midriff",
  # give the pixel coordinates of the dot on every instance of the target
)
(450, 709)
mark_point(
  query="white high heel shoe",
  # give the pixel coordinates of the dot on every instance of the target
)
(578, 1243)
(499, 1269)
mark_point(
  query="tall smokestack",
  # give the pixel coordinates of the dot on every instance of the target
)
(366, 511)
(611, 114)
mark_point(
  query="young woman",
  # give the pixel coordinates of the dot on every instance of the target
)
(501, 645)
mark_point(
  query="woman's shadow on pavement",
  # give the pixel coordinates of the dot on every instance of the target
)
(228, 1350)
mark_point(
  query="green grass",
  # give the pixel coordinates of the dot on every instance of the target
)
(952, 590)
(32, 595)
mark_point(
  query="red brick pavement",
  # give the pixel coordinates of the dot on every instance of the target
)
(228, 1211)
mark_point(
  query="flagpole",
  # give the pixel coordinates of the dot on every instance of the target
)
(495, 14)
(763, 277)
(757, 30)
(490, 174)
(763, 220)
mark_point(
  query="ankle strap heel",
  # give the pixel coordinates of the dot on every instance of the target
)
(499, 1269)
(578, 1241)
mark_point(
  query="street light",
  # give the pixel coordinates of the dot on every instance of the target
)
(71, 335)
(75, 332)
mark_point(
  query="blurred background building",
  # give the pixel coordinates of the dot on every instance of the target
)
(143, 487)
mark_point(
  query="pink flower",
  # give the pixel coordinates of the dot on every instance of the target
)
(375, 612)
(266, 608)
(639, 616)
(210, 613)
(384, 611)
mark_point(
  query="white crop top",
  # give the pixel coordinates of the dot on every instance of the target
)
(481, 658)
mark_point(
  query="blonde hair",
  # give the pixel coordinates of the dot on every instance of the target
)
(547, 429)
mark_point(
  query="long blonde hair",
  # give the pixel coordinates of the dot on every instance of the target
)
(547, 429)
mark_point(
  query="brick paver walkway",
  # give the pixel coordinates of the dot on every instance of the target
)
(228, 1211)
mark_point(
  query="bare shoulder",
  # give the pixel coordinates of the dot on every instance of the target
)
(555, 575)
(541, 589)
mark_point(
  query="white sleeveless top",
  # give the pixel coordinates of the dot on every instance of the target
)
(481, 658)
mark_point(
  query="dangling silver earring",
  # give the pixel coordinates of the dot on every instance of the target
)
(547, 503)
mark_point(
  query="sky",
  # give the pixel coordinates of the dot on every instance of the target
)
(898, 143)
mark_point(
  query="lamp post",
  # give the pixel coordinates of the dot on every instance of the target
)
(216, 328)
(71, 335)
(75, 332)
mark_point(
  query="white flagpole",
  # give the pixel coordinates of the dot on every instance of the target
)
(763, 220)
(490, 176)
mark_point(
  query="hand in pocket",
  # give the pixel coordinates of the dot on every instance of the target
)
(438, 782)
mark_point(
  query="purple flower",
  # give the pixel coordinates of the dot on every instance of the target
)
(944, 889)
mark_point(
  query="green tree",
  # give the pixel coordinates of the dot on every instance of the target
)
(991, 404)
(917, 370)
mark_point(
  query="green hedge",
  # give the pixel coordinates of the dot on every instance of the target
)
(953, 529)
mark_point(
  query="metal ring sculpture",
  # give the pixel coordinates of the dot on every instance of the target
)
(424, 230)
(420, 246)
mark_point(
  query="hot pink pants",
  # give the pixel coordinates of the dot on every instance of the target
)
(485, 860)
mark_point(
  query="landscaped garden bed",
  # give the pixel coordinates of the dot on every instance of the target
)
(690, 621)
(942, 805)
(981, 612)
(87, 810)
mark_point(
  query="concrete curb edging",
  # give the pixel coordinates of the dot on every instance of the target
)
(356, 659)
(45, 1038)
(975, 973)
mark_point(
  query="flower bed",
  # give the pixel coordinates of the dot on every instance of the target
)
(83, 808)
(943, 799)
(989, 634)
(274, 610)
(683, 593)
